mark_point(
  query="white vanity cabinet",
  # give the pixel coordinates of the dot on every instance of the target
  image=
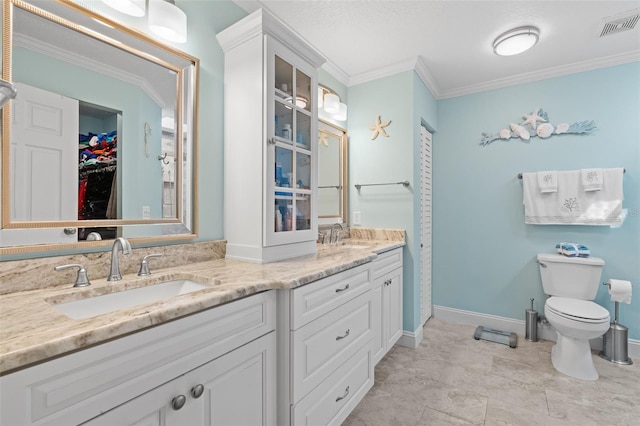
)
(270, 130)
(326, 364)
(216, 367)
(387, 302)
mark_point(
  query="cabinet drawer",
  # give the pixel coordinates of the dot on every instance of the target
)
(332, 401)
(79, 386)
(387, 262)
(326, 343)
(316, 299)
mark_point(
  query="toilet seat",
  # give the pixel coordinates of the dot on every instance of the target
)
(578, 310)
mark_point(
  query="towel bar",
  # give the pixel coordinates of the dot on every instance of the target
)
(520, 174)
(360, 185)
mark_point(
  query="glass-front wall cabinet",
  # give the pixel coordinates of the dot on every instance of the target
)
(293, 153)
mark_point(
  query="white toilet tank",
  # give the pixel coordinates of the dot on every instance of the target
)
(574, 277)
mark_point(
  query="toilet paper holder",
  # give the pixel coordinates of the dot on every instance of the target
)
(615, 343)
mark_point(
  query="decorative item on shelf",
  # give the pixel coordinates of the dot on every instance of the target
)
(537, 124)
(330, 103)
(167, 21)
(378, 128)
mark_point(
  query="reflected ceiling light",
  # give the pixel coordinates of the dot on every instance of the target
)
(516, 41)
(341, 115)
(167, 20)
(7, 92)
(130, 7)
(330, 103)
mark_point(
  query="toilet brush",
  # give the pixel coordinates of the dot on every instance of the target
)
(531, 324)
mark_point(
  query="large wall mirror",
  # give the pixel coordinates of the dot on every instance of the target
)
(100, 140)
(332, 173)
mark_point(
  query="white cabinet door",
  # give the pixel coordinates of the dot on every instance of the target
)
(392, 306)
(239, 388)
(378, 343)
(236, 389)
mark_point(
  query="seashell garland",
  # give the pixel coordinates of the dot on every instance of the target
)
(544, 130)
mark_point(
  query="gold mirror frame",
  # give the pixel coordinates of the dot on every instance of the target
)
(330, 130)
(154, 47)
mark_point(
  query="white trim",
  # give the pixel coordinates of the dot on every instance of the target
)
(398, 67)
(545, 332)
(532, 76)
(336, 72)
(426, 77)
(411, 339)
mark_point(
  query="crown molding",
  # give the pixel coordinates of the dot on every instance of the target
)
(80, 61)
(426, 77)
(398, 67)
(529, 77)
(336, 72)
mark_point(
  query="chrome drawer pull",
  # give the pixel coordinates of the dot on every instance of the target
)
(345, 335)
(346, 287)
(346, 393)
(178, 402)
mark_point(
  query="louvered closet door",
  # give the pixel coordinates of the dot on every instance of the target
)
(425, 221)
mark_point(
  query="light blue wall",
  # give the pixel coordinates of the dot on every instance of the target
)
(484, 254)
(403, 99)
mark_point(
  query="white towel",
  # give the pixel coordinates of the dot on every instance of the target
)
(548, 181)
(591, 179)
(571, 205)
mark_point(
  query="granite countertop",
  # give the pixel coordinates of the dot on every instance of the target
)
(32, 330)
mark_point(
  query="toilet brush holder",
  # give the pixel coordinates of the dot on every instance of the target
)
(615, 342)
(531, 324)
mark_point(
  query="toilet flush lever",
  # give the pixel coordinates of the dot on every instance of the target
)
(544, 265)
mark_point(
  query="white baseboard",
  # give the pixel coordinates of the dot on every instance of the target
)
(411, 339)
(545, 332)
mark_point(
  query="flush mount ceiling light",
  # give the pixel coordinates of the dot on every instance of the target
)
(167, 20)
(330, 102)
(129, 7)
(516, 41)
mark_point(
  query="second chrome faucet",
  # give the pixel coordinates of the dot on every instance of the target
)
(120, 244)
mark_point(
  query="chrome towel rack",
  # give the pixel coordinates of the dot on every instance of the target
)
(520, 174)
(404, 183)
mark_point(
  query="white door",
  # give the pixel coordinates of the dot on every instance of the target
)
(425, 221)
(44, 165)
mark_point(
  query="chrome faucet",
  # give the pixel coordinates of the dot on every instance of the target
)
(333, 227)
(123, 245)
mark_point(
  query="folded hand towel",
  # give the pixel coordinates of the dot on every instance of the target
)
(548, 181)
(591, 179)
(573, 250)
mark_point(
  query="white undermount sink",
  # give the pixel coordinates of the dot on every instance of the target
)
(98, 305)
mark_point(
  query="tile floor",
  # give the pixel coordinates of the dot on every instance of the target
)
(452, 379)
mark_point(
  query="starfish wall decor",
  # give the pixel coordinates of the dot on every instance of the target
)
(539, 126)
(378, 128)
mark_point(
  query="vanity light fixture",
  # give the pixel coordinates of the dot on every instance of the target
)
(129, 7)
(516, 41)
(7, 92)
(167, 21)
(330, 102)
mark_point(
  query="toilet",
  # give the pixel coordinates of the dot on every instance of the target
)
(571, 284)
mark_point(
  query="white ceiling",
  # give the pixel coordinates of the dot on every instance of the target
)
(449, 42)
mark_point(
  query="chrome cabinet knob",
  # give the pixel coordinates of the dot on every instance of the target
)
(178, 402)
(197, 391)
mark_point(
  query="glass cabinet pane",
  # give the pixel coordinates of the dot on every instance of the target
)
(283, 79)
(303, 212)
(303, 171)
(303, 130)
(284, 168)
(283, 213)
(303, 91)
(284, 121)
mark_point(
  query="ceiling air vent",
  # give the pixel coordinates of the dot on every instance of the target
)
(620, 24)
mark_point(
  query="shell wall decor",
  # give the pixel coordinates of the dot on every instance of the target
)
(537, 124)
(378, 128)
